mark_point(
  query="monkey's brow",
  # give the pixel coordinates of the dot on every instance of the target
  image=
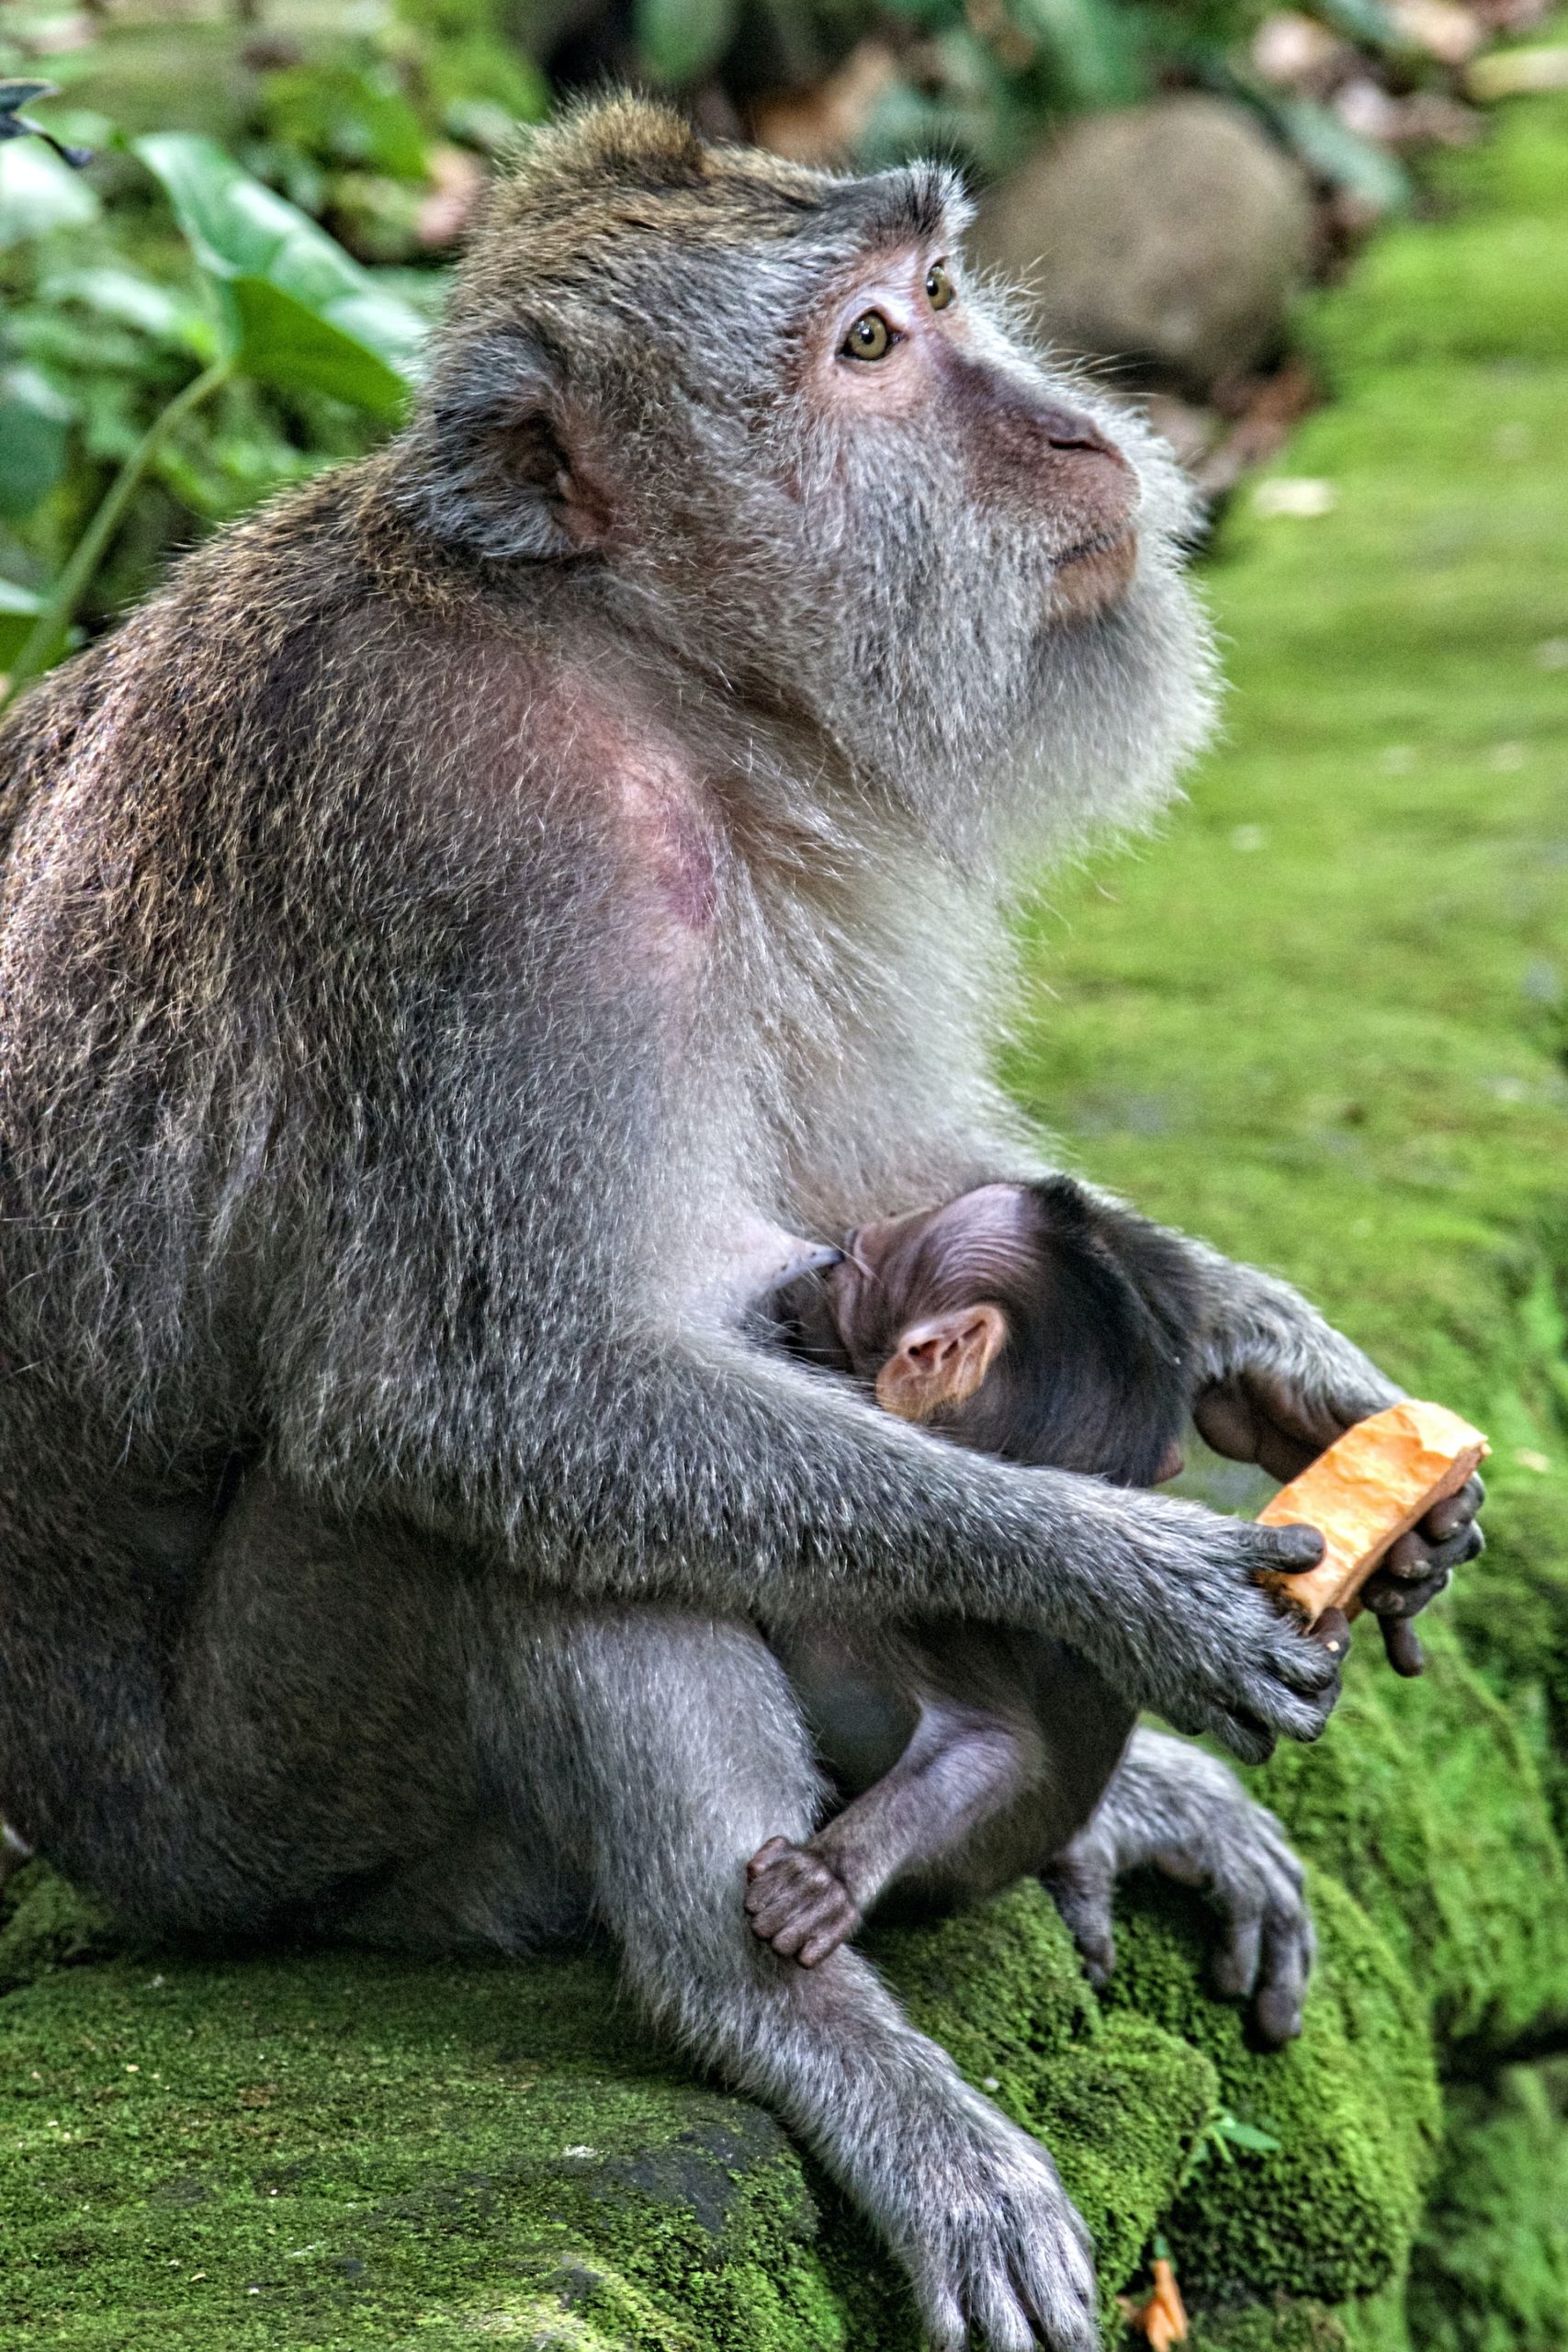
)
(916, 204)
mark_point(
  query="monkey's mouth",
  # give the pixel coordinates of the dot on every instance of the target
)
(1093, 573)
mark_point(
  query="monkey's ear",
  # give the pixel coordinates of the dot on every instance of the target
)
(504, 465)
(941, 1362)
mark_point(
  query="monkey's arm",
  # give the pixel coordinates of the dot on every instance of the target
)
(1173, 1806)
(1272, 1381)
(720, 1478)
(1277, 1385)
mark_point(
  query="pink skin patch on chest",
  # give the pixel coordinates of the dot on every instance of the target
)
(669, 833)
(656, 815)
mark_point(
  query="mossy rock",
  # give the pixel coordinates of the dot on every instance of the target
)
(1328, 2212)
(1490, 2267)
(323, 2149)
(1427, 1801)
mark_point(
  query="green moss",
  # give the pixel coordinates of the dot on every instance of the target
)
(1491, 2271)
(1324, 1023)
(1329, 2213)
(341, 2149)
(1120, 2101)
(1281, 2326)
(1426, 1800)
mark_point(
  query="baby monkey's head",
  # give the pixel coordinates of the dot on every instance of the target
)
(1028, 1321)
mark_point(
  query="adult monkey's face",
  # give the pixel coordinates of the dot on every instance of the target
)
(772, 412)
(915, 376)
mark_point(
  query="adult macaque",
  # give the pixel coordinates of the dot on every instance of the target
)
(1038, 1324)
(471, 889)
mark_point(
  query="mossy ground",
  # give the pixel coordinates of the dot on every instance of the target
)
(1323, 1021)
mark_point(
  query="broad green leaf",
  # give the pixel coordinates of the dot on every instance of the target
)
(19, 610)
(304, 313)
(283, 342)
(681, 39)
(39, 193)
(35, 422)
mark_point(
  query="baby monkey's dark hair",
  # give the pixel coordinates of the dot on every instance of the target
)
(1095, 1372)
(1100, 1309)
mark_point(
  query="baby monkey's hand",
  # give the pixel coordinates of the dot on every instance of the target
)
(797, 1903)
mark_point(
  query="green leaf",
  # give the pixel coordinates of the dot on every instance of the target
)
(1367, 21)
(34, 424)
(1228, 2128)
(304, 314)
(680, 40)
(19, 610)
(284, 342)
(39, 193)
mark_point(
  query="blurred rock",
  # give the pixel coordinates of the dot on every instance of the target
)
(1172, 236)
(1364, 106)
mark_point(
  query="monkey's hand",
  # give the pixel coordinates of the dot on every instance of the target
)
(1282, 1386)
(797, 1902)
(1173, 1806)
(1185, 1629)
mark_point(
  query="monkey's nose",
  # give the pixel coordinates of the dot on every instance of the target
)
(1065, 429)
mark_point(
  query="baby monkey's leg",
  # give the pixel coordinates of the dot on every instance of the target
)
(963, 1765)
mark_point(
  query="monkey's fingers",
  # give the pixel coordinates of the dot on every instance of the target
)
(1401, 1646)
(766, 1856)
(825, 1940)
(1082, 1891)
(1289, 1948)
(794, 1894)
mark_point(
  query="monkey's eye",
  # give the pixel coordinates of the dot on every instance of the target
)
(871, 337)
(939, 288)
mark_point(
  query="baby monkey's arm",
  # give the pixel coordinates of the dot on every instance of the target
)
(962, 1766)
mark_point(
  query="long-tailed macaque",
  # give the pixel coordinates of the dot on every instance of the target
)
(1042, 1324)
(472, 888)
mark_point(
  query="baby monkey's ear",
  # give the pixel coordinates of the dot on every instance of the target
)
(941, 1362)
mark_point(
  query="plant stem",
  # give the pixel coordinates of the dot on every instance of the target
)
(46, 638)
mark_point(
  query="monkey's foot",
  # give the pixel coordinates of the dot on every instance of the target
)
(797, 1903)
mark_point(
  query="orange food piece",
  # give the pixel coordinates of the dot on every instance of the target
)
(1365, 1492)
(1162, 2319)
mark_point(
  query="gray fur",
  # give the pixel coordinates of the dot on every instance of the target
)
(1175, 1808)
(418, 943)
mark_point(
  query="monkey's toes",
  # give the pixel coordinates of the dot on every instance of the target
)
(797, 1903)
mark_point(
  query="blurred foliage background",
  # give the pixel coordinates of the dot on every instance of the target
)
(231, 292)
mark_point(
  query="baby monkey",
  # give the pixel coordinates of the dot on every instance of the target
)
(1031, 1321)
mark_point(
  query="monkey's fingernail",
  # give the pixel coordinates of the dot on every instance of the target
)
(1298, 1546)
(1332, 1632)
